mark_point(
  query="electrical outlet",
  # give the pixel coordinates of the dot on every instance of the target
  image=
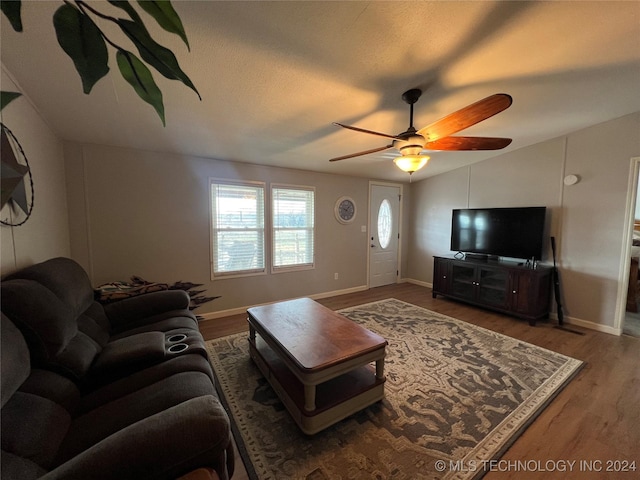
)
(335, 276)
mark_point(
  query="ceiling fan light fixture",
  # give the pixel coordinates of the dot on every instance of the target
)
(411, 145)
(411, 163)
(411, 150)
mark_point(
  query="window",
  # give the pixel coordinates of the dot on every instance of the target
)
(293, 227)
(384, 223)
(237, 228)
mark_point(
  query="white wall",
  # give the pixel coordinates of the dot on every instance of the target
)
(46, 233)
(587, 219)
(144, 213)
(593, 220)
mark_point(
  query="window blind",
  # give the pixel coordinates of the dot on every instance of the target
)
(293, 226)
(237, 228)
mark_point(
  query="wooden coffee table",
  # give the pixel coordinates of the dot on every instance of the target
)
(317, 361)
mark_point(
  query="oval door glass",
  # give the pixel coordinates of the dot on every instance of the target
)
(384, 223)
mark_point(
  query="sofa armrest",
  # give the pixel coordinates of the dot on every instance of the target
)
(135, 309)
(121, 357)
(174, 442)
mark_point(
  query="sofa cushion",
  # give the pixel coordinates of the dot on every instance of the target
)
(39, 314)
(33, 427)
(14, 364)
(143, 378)
(49, 327)
(94, 322)
(166, 445)
(55, 387)
(90, 428)
(18, 468)
(65, 278)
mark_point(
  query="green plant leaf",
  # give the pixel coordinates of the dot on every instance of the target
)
(159, 57)
(82, 40)
(7, 97)
(126, 6)
(166, 17)
(139, 77)
(12, 11)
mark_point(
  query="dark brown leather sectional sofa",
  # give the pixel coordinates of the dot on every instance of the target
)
(118, 391)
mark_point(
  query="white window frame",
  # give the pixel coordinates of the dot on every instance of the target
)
(274, 229)
(213, 230)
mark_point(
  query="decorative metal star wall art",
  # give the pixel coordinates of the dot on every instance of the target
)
(16, 181)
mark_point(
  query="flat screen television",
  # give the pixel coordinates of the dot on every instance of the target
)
(502, 232)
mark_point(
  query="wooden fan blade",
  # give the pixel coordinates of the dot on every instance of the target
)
(362, 130)
(366, 152)
(466, 117)
(468, 143)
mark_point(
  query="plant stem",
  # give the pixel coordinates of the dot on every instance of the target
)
(82, 5)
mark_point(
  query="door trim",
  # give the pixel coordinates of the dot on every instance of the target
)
(627, 235)
(373, 183)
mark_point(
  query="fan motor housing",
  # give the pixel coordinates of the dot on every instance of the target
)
(412, 145)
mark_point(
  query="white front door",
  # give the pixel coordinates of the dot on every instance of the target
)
(384, 228)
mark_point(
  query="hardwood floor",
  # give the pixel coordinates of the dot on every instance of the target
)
(594, 420)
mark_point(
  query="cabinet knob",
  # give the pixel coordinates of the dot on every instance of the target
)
(444, 276)
(514, 292)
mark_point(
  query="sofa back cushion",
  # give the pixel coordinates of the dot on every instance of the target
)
(52, 304)
(49, 327)
(68, 281)
(65, 278)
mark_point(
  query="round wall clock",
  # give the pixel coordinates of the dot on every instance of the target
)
(345, 210)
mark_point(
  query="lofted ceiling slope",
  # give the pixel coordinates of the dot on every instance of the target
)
(274, 76)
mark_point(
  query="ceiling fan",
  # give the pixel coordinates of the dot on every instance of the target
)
(438, 135)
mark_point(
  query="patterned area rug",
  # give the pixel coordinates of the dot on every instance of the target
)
(456, 397)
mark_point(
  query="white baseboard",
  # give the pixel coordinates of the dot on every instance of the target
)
(578, 322)
(317, 296)
(418, 282)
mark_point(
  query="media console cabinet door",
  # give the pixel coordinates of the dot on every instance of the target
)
(441, 274)
(531, 292)
(493, 286)
(463, 280)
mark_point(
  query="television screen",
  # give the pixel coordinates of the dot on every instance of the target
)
(504, 232)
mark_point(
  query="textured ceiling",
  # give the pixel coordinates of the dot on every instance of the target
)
(274, 76)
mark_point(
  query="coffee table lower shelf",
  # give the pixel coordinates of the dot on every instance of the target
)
(336, 398)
